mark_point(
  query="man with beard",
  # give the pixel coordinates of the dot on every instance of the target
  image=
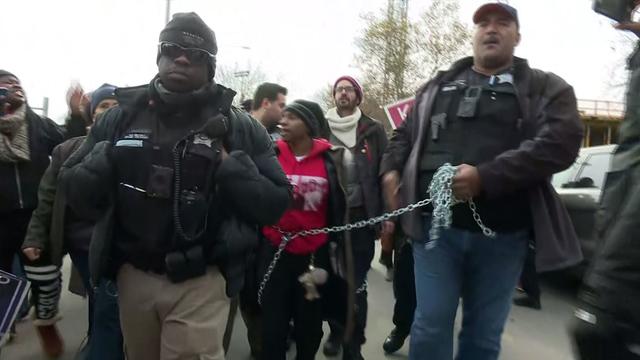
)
(179, 182)
(507, 128)
(364, 141)
(268, 103)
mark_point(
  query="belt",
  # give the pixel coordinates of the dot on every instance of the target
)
(154, 264)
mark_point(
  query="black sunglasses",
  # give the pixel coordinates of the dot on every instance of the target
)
(195, 56)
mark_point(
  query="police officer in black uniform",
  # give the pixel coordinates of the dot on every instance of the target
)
(179, 182)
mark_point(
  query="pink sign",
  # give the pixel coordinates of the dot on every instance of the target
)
(397, 112)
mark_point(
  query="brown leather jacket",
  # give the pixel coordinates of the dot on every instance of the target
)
(552, 133)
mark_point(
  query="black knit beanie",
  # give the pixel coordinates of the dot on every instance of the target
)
(323, 125)
(190, 31)
(301, 109)
(6, 73)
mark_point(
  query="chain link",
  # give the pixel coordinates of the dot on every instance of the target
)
(440, 196)
(272, 266)
(476, 216)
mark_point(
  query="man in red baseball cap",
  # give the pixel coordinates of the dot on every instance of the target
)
(496, 8)
(507, 128)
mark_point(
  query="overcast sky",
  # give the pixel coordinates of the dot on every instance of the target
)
(303, 44)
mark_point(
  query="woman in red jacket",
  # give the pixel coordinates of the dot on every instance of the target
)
(318, 201)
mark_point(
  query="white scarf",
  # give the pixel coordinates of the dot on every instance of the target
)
(344, 128)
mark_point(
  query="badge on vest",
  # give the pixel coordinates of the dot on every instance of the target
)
(137, 136)
(202, 139)
(453, 86)
(129, 143)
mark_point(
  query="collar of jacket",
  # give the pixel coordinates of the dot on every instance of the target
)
(520, 65)
(140, 96)
(319, 146)
(521, 79)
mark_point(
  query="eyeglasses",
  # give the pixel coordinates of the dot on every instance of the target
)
(348, 89)
(195, 56)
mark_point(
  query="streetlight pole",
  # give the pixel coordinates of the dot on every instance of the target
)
(243, 75)
(168, 12)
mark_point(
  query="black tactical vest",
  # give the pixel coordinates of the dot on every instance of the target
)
(472, 125)
(165, 193)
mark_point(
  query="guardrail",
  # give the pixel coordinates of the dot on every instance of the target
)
(601, 109)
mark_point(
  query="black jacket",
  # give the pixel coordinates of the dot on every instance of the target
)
(613, 281)
(552, 133)
(251, 181)
(19, 181)
(46, 229)
(371, 143)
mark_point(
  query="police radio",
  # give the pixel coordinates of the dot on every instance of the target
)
(191, 206)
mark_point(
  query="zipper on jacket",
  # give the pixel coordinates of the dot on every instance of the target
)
(20, 201)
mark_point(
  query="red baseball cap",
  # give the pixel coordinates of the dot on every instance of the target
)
(498, 7)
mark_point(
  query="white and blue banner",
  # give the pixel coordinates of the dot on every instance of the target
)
(13, 291)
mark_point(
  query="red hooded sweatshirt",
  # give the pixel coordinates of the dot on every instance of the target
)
(310, 182)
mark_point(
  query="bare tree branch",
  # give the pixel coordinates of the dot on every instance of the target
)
(242, 79)
(396, 55)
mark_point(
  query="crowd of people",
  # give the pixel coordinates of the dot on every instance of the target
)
(177, 208)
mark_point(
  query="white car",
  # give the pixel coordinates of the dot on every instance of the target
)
(580, 187)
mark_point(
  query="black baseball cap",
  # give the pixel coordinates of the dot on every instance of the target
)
(498, 7)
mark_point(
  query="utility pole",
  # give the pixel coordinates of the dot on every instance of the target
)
(404, 8)
(168, 12)
(243, 75)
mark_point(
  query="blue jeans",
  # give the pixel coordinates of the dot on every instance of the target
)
(106, 336)
(80, 259)
(483, 272)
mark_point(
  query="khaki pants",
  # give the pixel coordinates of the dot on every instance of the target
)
(167, 321)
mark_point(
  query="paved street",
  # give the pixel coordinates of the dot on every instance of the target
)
(529, 335)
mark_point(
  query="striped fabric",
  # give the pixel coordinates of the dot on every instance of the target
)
(46, 287)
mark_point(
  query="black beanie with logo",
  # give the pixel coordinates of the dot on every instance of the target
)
(190, 31)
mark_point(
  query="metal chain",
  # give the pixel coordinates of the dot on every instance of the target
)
(485, 230)
(272, 266)
(363, 223)
(440, 195)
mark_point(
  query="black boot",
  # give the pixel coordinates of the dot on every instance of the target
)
(351, 352)
(527, 301)
(332, 345)
(394, 341)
